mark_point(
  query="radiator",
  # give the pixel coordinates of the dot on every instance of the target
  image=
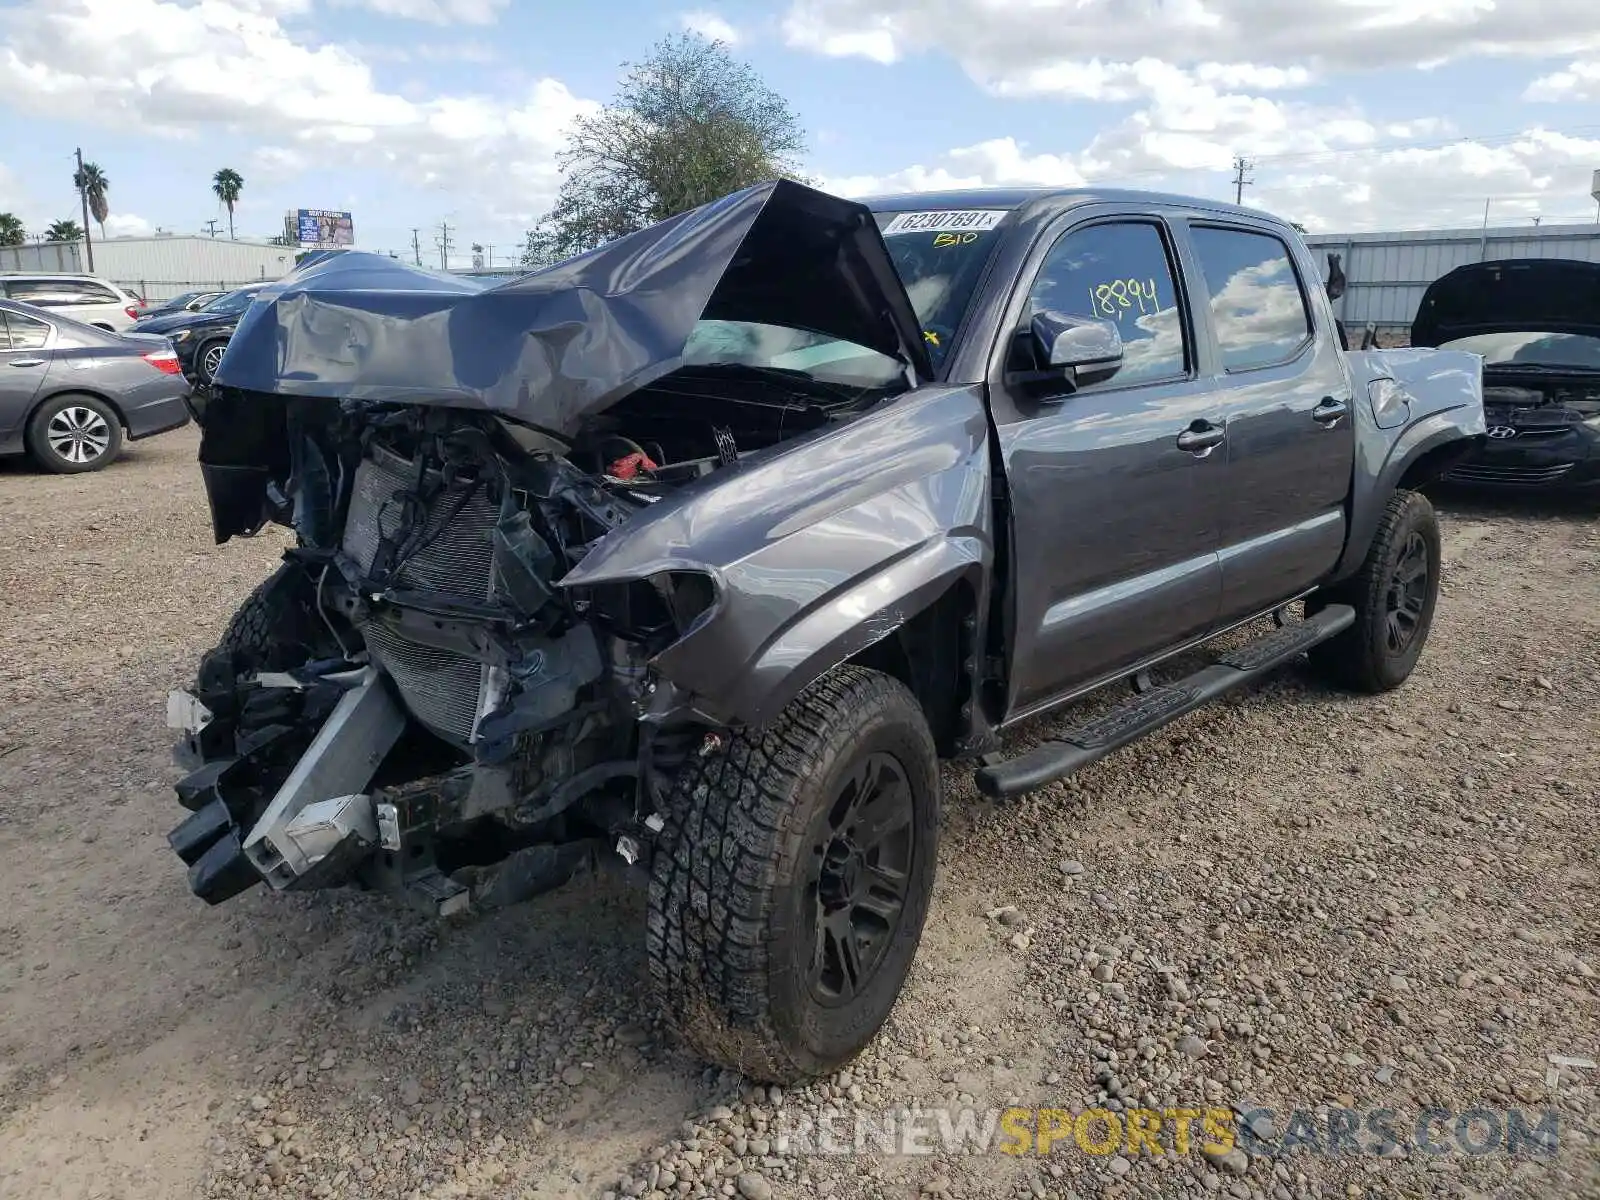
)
(455, 557)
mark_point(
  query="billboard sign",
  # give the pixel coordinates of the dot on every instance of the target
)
(323, 229)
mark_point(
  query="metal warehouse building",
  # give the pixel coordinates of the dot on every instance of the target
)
(162, 266)
(1388, 272)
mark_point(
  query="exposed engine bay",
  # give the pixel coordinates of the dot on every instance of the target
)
(1555, 403)
(420, 685)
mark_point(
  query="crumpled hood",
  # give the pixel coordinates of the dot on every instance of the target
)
(563, 343)
(1510, 296)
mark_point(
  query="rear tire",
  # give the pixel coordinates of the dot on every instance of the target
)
(74, 433)
(791, 881)
(1394, 595)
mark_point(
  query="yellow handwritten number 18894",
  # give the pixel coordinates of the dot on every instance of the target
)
(1117, 297)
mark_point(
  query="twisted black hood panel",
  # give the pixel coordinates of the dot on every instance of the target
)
(561, 344)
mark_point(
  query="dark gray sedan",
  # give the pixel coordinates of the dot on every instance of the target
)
(69, 392)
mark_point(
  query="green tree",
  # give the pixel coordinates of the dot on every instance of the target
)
(92, 181)
(64, 230)
(227, 184)
(11, 231)
(687, 125)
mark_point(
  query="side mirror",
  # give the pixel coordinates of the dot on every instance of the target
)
(1070, 353)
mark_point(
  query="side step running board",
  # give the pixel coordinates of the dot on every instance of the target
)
(1151, 709)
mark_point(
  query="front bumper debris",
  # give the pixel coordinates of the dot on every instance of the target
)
(319, 823)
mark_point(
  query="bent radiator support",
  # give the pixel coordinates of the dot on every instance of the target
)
(338, 765)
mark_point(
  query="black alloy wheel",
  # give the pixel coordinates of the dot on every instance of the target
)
(1407, 598)
(861, 869)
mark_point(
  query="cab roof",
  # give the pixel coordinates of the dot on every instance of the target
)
(1050, 198)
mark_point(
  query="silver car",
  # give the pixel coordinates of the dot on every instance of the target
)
(86, 298)
(70, 392)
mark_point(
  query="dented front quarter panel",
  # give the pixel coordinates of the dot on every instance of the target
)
(818, 548)
(1444, 407)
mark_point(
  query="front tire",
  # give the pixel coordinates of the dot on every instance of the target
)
(72, 434)
(276, 627)
(1394, 595)
(791, 881)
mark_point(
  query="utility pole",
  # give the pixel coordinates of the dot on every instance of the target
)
(211, 227)
(1241, 180)
(83, 195)
(490, 249)
(443, 242)
(416, 246)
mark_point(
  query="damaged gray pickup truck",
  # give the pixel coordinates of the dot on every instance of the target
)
(694, 555)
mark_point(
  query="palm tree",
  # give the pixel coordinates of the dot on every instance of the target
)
(64, 230)
(227, 184)
(11, 231)
(92, 182)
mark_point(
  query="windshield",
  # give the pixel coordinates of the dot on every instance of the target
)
(233, 302)
(777, 347)
(939, 256)
(1532, 349)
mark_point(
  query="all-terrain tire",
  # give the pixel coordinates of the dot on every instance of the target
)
(733, 921)
(1368, 657)
(276, 627)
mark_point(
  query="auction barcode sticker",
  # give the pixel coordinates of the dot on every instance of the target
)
(945, 221)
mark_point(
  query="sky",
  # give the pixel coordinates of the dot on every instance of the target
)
(1355, 114)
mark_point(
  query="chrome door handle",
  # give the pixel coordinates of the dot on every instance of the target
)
(1201, 437)
(1330, 410)
(27, 362)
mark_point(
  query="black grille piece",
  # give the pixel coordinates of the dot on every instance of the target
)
(1503, 473)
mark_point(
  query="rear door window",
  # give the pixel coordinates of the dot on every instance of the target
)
(22, 333)
(1258, 307)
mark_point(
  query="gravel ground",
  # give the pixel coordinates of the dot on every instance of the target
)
(1296, 900)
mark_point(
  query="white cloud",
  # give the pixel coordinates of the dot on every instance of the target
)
(1579, 82)
(434, 12)
(425, 51)
(711, 26)
(808, 29)
(132, 64)
(998, 40)
(1334, 171)
(999, 162)
(1538, 173)
(127, 225)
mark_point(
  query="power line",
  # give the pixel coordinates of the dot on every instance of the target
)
(443, 242)
(1241, 164)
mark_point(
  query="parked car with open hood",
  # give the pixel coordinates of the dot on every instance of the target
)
(1537, 324)
(69, 391)
(694, 554)
(201, 338)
